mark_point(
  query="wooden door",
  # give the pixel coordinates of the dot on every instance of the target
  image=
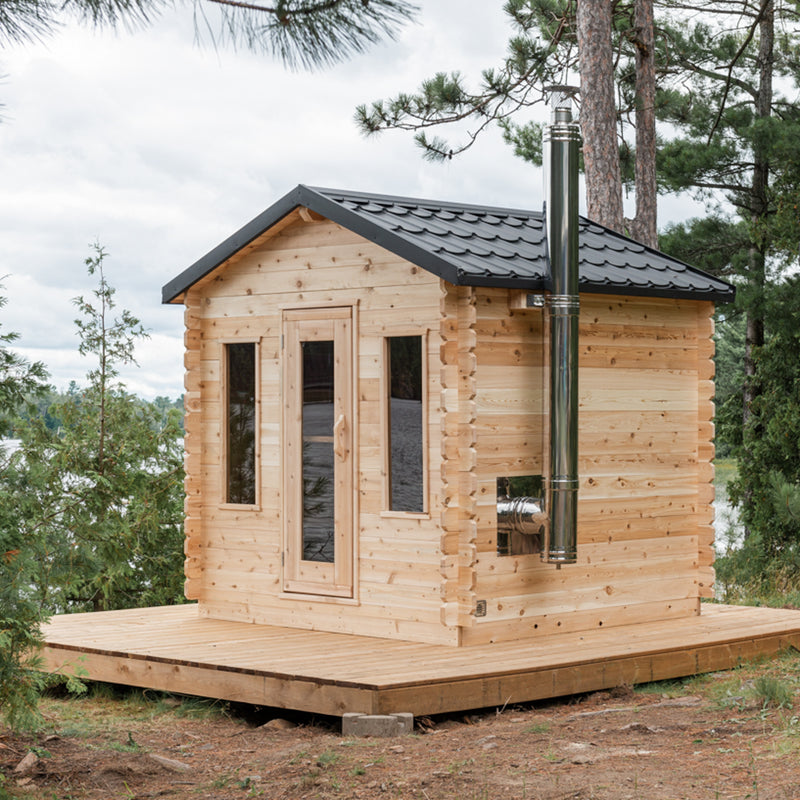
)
(317, 451)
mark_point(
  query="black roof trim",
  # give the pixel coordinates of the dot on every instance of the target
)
(475, 245)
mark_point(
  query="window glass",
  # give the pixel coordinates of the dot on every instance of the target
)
(241, 423)
(319, 523)
(405, 434)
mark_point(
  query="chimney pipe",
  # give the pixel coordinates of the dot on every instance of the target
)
(563, 139)
(555, 515)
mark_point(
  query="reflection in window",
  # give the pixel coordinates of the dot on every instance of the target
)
(318, 457)
(241, 423)
(406, 481)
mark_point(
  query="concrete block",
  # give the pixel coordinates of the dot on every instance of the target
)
(355, 724)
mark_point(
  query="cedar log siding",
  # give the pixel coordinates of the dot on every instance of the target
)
(234, 554)
(645, 514)
(645, 529)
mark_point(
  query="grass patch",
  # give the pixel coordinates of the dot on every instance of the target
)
(110, 712)
(729, 692)
(773, 692)
(725, 470)
(129, 746)
(328, 759)
(538, 727)
(673, 687)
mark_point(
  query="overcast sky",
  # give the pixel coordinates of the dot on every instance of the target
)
(159, 149)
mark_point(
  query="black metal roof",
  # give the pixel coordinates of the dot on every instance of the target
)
(476, 246)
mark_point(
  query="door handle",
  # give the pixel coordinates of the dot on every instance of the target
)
(340, 438)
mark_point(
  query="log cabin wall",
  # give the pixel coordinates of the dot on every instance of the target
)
(233, 564)
(646, 431)
(645, 528)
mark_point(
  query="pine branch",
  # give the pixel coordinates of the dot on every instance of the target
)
(727, 8)
(739, 53)
(26, 20)
(313, 33)
(443, 100)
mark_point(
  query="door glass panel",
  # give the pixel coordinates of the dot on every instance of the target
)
(318, 453)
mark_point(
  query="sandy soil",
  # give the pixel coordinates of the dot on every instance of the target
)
(712, 737)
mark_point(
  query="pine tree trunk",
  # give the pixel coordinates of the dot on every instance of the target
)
(759, 201)
(598, 117)
(757, 273)
(644, 227)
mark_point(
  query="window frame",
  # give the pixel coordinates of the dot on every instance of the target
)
(386, 455)
(224, 426)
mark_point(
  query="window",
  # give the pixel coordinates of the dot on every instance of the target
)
(240, 412)
(405, 431)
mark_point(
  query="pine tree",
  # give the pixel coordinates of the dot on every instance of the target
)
(769, 475)
(105, 489)
(20, 614)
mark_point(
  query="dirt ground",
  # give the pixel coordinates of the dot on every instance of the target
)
(728, 735)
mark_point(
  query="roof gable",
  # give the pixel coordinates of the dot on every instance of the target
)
(475, 246)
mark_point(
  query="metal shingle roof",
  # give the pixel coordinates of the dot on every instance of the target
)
(477, 246)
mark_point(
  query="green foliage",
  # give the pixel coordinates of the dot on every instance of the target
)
(785, 194)
(20, 614)
(785, 499)
(91, 503)
(103, 492)
(314, 33)
(729, 357)
(45, 405)
(20, 619)
(736, 132)
(769, 454)
(19, 378)
(720, 245)
(750, 575)
(715, 244)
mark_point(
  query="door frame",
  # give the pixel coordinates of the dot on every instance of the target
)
(322, 581)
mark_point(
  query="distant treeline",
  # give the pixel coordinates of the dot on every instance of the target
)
(47, 404)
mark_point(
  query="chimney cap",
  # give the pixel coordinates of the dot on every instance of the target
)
(561, 96)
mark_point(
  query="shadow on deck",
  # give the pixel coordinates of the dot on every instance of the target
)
(175, 649)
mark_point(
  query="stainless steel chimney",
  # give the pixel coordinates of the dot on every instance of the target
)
(562, 139)
(553, 517)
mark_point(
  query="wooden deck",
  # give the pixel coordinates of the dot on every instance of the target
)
(174, 649)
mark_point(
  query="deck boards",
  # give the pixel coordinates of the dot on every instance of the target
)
(176, 649)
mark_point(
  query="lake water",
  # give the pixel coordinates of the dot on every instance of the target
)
(728, 532)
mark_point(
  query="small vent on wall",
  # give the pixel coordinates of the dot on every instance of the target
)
(480, 608)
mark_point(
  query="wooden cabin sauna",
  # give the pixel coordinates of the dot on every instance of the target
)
(367, 379)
